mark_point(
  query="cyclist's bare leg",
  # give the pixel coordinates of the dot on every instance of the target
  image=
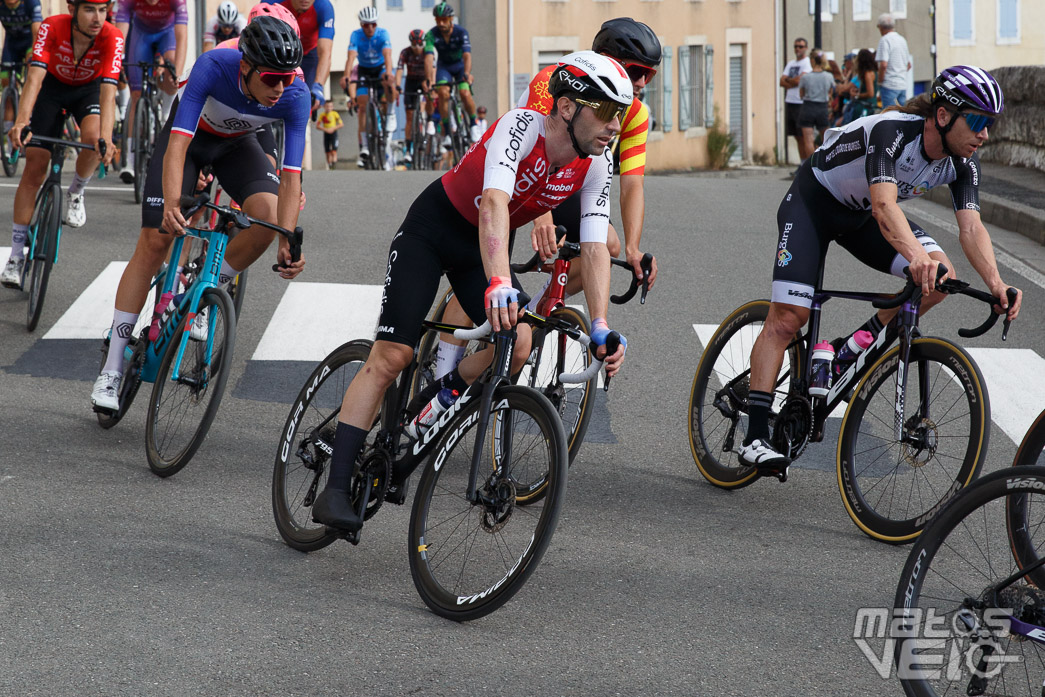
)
(444, 106)
(36, 162)
(767, 355)
(149, 254)
(468, 100)
(361, 101)
(364, 394)
(87, 160)
(409, 127)
(473, 366)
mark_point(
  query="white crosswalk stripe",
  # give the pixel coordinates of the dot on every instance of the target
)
(1015, 381)
(90, 315)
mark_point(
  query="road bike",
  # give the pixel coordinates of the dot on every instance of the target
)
(458, 130)
(421, 142)
(555, 351)
(9, 99)
(45, 228)
(187, 350)
(471, 544)
(896, 466)
(148, 120)
(969, 611)
(375, 136)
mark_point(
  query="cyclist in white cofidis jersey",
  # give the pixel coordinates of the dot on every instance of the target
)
(460, 225)
(848, 191)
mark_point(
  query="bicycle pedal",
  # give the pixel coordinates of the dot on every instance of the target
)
(102, 410)
(779, 474)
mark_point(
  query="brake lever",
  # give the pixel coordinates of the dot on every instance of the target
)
(647, 267)
(1010, 294)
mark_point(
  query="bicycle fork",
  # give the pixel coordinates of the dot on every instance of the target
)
(504, 343)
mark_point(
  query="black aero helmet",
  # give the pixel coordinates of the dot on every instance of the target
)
(272, 43)
(443, 9)
(627, 40)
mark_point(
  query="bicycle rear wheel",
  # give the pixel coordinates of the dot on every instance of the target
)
(954, 614)
(1022, 528)
(40, 261)
(718, 401)
(8, 100)
(469, 559)
(373, 143)
(307, 443)
(181, 411)
(142, 146)
(892, 488)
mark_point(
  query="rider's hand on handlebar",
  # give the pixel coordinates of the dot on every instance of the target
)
(173, 221)
(635, 261)
(502, 303)
(1012, 309)
(923, 273)
(543, 238)
(15, 135)
(287, 268)
(599, 331)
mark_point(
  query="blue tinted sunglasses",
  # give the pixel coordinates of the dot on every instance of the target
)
(978, 122)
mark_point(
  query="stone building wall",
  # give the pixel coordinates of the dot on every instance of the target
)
(1019, 137)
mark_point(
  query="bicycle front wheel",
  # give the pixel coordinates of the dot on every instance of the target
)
(962, 630)
(306, 445)
(718, 401)
(182, 409)
(1022, 528)
(142, 146)
(8, 105)
(468, 559)
(893, 486)
(373, 142)
(48, 218)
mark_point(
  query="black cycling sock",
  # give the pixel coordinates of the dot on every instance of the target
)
(759, 404)
(348, 441)
(451, 380)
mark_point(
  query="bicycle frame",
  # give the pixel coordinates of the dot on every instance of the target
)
(54, 179)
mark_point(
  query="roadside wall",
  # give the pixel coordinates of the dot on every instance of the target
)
(1019, 137)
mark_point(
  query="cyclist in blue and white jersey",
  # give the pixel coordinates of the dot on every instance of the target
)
(452, 51)
(372, 46)
(20, 19)
(848, 191)
(228, 95)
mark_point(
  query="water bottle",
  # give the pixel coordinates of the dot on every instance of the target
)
(846, 355)
(820, 370)
(430, 414)
(391, 123)
(160, 313)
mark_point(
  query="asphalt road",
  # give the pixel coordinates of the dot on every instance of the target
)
(114, 582)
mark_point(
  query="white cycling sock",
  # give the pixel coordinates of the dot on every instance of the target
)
(78, 185)
(447, 356)
(19, 234)
(129, 152)
(122, 330)
(227, 273)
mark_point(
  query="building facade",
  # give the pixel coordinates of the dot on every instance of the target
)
(990, 33)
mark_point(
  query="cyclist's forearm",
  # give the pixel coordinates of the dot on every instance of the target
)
(107, 107)
(181, 40)
(595, 276)
(387, 53)
(124, 27)
(30, 91)
(325, 49)
(976, 243)
(288, 206)
(467, 63)
(892, 222)
(430, 69)
(632, 210)
(348, 65)
(173, 167)
(493, 233)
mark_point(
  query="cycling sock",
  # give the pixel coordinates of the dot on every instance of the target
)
(348, 441)
(759, 404)
(79, 184)
(227, 273)
(122, 329)
(451, 380)
(19, 234)
(447, 356)
(129, 153)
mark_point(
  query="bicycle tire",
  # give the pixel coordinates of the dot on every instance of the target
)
(237, 290)
(129, 385)
(9, 98)
(300, 470)
(142, 146)
(1024, 550)
(417, 156)
(163, 422)
(946, 585)
(727, 356)
(42, 258)
(372, 141)
(878, 484)
(485, 534)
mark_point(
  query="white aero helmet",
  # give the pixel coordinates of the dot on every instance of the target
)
(368, 14)
(227, 14)
(591, 76)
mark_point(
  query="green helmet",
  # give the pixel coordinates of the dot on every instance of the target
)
(443, 9)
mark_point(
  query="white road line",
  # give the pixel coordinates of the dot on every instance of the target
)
(90, 315)
(313, 319)
(1016, 382)
(89, 188)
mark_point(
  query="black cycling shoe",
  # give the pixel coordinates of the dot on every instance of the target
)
(396, 492)
(333, 508)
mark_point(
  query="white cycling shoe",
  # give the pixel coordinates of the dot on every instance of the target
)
(12, 274)
(762, 456)
(106, 393)
(198, 330)
(75, 213)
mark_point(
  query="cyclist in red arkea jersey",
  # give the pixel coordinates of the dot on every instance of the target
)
(75, 65)
(460, 225)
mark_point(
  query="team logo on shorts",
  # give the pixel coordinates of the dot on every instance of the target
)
(783, 257)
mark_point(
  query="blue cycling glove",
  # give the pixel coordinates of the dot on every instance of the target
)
(317, 92)
(600, 330)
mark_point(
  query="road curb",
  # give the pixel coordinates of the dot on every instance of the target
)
(995, 210)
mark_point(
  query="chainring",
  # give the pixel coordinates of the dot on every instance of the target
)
(375, 472)
(792, 426)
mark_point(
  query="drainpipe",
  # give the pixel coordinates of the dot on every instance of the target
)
(781, 139)
(511, 54)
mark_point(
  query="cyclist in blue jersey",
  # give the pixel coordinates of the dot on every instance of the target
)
(452, 61)
(160, 27)
(228, 95)
(20, 19)
(372, 46)
(316, 21)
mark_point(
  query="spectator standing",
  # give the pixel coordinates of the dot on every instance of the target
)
(815, 89)
(792, 100)
(480, 124)
(894, 60)
(865, 89)
(329, 122)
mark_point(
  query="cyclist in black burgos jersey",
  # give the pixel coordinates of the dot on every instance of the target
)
(848, 191)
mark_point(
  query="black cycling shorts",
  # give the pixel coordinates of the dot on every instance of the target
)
(238, 163)
(267, 141)
(55, 95)
(330, 142)
(410, 93)
(809, 219)
(434, 239)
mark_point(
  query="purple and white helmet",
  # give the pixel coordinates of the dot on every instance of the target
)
(968, 87)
